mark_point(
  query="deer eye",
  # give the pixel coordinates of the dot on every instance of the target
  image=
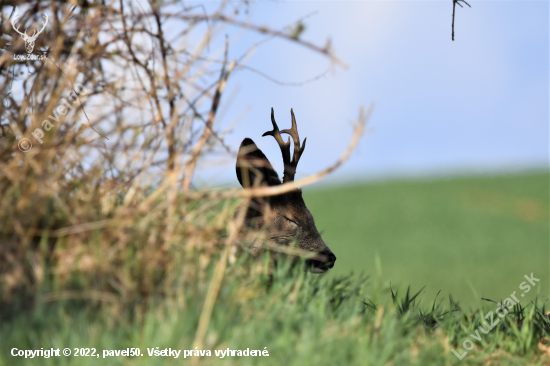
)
(292, 222)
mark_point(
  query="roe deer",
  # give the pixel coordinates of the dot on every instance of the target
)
(286, 215)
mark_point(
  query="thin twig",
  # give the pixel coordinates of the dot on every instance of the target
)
(76, 229)
(454, 6)
(77, 295)
(208, 128)
(260, 29)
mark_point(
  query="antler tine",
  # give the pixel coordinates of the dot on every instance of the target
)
(13, 20)
(284, 146)
(276, 133)
(45, 23)
(36, 31)
(293, 132)
(289, 164)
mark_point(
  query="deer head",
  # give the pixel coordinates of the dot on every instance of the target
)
(286, 215)
(29, 40)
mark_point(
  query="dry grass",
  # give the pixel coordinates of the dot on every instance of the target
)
(119, 113)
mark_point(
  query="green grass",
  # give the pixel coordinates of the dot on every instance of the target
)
(486, 231)
(301, 318)
(469, 237)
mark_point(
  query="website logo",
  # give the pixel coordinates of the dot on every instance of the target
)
(29, 40)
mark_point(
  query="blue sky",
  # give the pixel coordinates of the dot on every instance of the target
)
(479, 103)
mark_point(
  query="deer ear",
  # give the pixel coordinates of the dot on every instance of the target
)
(253, 168)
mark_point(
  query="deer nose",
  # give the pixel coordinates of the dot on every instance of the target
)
(331, 258)
(318, 266)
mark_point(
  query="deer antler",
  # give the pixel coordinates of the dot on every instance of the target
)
(14, 19)
(24, 34)
(290, 164)
(35, 34)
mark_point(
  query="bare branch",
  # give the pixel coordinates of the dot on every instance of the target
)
(208, 128)
(455, 2)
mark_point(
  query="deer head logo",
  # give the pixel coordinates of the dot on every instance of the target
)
(29, 40)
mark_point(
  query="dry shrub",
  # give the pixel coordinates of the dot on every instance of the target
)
(125, 105)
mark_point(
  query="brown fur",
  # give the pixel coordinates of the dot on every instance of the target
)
(286, 215)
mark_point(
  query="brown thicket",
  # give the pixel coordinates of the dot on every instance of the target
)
(104, 208)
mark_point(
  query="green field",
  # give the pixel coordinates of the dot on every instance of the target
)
(469, 237)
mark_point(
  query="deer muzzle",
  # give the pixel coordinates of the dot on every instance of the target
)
(324, 263)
